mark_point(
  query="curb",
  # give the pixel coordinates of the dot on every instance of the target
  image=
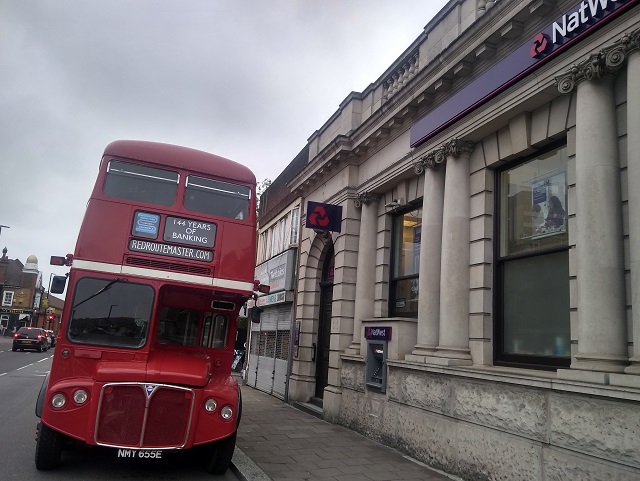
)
(243, 467)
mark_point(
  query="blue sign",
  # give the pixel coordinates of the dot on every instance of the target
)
(146, 225)
(377, 333)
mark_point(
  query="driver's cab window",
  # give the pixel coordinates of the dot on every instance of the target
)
(178, 326)
(214, 331)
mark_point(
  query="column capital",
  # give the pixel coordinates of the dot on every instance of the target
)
(457, 148)
(430, 161)
(607, 61)
(366, 198)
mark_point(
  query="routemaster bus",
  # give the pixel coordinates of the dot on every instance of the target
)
(163, 263)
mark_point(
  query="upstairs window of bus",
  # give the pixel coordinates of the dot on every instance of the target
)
(217, 198)
(110, 312)
(140, 183)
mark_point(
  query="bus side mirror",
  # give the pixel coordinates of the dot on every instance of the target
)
(255, 314)
(58, 283)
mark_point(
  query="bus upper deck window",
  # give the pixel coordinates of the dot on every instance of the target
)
(217, 198)
(141, 183)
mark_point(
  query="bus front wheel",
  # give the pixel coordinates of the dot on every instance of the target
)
(48, 448)
(220, 454)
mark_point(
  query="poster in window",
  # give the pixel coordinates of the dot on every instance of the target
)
(548, 211)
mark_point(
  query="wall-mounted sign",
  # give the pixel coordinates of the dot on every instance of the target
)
(377, 333)
(170, 250)
(192, 232)
(325, 217)
(575, 24)
(278, 272)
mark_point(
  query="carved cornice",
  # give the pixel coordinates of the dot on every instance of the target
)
(366, 198)
(455, 148)
(607, 61)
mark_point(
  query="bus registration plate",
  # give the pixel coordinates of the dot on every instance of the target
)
(139, 453)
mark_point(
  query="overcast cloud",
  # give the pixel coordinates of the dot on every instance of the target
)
(249, 80)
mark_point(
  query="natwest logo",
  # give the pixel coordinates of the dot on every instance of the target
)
(541, 44)
(585, 14)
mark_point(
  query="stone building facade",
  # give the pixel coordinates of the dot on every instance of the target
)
(489, 252)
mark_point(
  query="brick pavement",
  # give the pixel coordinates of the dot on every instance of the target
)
(288, 444)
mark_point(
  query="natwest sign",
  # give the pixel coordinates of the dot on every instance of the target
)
(575, 24)
(585, 14)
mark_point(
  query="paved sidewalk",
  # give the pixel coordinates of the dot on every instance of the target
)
(288, 444)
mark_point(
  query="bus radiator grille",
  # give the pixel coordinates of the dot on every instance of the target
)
(167, 266)
(144, 416)
(121, 415)
(168, 418)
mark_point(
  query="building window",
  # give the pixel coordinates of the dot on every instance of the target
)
(533, 263)
(7, 298)
(264, 245)
(283, 235)
(405, 261)
(295, 219)
(274, 240)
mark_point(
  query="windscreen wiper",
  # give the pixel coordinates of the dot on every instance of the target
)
(105, 288)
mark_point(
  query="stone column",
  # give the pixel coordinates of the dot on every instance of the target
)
(366, 267)
(454, 270)
(599, 249)
(431, 241)
(633, 176)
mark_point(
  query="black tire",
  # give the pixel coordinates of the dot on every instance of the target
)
(220, 454)
(39, 349)
(14, 349)
(48, 448)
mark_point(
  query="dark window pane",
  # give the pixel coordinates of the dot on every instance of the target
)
(536, 305)
(178, 326)
(407, 235)
(141, 184)
(217, 198)
(405, 297)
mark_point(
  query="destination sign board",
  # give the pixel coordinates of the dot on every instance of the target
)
(192, 232)
(170, 250)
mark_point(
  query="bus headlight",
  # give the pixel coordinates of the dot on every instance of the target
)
(226, 413)
(58, 400)
(210, 405)
(80, 396)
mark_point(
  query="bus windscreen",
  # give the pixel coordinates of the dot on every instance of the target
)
(110, 313)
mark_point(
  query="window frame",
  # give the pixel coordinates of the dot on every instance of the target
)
(393, 280)
(500, 357)
(5, 302)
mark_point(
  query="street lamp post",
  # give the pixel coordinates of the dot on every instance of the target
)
(49, 291)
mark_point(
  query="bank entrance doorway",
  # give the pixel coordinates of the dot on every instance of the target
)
(324, 325)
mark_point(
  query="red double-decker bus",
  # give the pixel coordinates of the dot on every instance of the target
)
(164, 261)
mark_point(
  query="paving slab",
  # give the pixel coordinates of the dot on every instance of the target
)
(287, 444)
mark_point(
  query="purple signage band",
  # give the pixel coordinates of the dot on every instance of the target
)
(577, 23)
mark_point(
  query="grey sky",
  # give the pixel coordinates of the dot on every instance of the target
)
(249, 80)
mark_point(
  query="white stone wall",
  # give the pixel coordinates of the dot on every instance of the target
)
(495, 427)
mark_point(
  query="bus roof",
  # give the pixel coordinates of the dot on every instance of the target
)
(180, 158)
